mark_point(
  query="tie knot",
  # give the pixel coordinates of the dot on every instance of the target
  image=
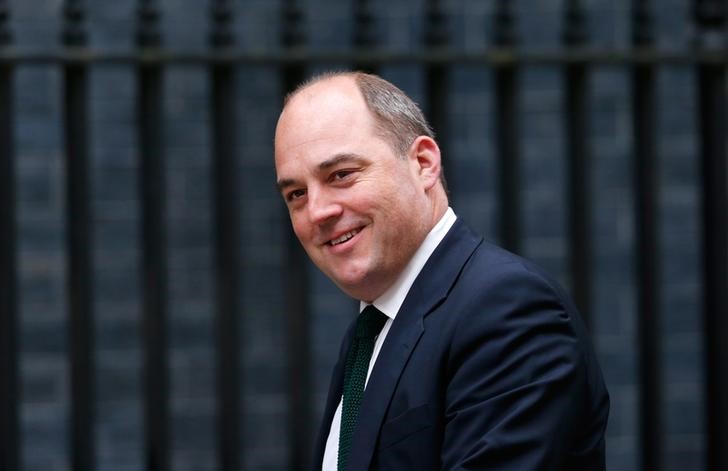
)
(370, 322)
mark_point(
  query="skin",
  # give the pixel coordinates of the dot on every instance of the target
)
(339, 178)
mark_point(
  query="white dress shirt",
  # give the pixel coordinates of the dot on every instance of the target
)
(389, 304)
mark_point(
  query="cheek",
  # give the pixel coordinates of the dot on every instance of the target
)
(300, 228)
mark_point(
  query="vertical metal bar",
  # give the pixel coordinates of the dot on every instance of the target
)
(298, 339)
(79, 240)
(437, 37)
(366, 36)
(9, 395)
(299, 318)
(5, 34)
(226, 213)
(578, 157)
(79, 252)
(644, 119)
(710, 16)
(154, 247)
(506, 124)
(715, 258)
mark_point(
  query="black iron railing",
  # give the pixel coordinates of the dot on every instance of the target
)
(576, 58)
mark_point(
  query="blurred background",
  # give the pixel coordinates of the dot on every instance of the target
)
(157, 312)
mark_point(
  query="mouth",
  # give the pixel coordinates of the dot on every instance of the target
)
(343, 238)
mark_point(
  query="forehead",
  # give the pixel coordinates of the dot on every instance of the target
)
(323, 103)
(326, 118)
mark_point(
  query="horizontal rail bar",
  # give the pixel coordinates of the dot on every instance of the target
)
(495, 56)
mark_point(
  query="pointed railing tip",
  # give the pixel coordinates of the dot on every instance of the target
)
(575, 24)
(148, 32)
(294, 33)
(710, 20)
(221, 14)
(73, 33)
(365, 25)
(642, 24)
(437, 30)
(504, 27)
(6, 36)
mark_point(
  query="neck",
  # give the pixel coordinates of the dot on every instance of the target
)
(440, 204)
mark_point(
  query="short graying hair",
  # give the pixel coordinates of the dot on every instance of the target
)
(397, 118)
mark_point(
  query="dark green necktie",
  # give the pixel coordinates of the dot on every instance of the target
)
(368, 325)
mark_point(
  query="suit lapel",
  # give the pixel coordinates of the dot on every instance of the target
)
(429, 289)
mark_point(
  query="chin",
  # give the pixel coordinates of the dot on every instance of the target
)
(349, 285)
(347, 275)
(354, 286)
(358, 294)
(363, 290)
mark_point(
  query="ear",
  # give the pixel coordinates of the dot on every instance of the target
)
(425, 159)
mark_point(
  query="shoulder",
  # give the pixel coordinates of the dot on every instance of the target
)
(494, 276)
(505, 307)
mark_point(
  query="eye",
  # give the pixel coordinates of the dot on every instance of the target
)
(340, 175)
(295, 195)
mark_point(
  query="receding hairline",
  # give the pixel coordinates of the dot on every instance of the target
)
(320, 78)
(397, 117)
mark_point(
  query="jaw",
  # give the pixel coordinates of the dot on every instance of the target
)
(346, 273)
(353, 275)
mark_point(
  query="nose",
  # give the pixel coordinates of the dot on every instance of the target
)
(321, 206)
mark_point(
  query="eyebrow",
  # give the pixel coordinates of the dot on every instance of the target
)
(325, 165)
(285, 183)
(341, 158)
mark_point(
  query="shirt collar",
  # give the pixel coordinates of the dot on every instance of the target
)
(391, 300)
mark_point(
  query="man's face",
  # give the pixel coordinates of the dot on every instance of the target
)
(359, 210)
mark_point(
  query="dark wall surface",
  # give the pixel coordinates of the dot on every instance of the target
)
(473, 180)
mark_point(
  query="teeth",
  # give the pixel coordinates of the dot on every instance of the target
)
(344, 237)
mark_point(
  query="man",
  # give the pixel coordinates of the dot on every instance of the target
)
(473, 358)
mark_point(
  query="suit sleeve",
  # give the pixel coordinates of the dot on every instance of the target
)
(517, 388)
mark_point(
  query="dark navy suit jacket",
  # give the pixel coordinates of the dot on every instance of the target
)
(487, 366)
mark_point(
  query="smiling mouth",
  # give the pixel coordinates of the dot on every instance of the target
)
(343, 238)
